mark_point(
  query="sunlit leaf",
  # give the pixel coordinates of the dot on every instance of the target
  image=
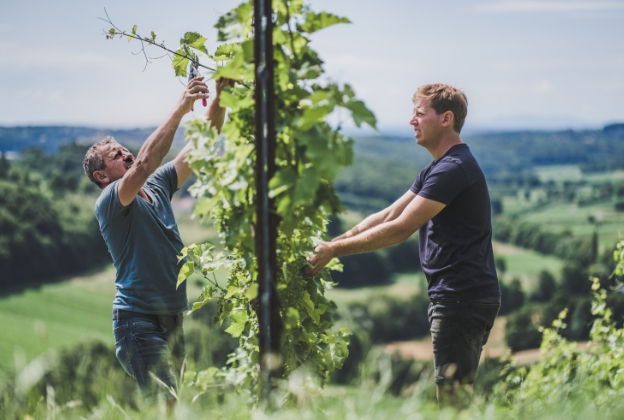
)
(317, 21)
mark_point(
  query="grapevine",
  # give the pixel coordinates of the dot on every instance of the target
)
(309, 154)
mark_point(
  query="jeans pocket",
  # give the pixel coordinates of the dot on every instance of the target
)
(124, 348)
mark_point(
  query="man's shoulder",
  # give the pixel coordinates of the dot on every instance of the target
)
(107, 199)
(164, 170)
(164, 176)
(460, 157)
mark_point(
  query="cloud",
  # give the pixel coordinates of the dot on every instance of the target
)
(549, 6)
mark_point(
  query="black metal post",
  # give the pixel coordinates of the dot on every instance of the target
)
(266, 222)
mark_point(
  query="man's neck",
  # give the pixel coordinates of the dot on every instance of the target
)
(441, 147)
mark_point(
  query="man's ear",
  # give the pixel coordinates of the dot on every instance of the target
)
(100, 177)
(448, 117)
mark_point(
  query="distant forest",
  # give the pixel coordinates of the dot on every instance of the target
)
(48, 229)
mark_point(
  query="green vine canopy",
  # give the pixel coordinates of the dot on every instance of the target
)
(310, 152)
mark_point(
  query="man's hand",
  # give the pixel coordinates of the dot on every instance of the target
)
(323, 253)
(222, 83)
(196, 89)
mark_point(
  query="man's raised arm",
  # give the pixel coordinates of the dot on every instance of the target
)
(158, 143)
(215, 116)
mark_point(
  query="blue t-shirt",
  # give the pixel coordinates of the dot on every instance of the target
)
(144, 242)
(456, 245)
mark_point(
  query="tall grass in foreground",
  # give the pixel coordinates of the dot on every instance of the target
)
(568, 382)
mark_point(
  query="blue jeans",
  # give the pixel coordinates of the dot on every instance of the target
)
(149, 344)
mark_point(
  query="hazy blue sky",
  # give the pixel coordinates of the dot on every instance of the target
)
(522, 63)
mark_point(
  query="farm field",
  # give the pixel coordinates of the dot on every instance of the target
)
(403, 286)
(56, 315)
(525, 264)
(580, 219)
(560, 217)
(78, 309)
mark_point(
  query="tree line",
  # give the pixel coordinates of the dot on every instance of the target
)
(48, 228)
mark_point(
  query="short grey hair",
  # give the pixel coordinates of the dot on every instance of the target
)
(93, 161)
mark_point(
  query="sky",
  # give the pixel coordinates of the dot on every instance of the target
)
(553, 64)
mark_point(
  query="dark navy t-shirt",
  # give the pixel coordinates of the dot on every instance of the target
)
(456, 245)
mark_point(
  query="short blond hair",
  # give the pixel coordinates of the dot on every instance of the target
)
(93, 160)
(444, 98)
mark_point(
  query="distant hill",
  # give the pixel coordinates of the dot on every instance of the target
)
(50, 138)
(592, 150)
(385, 166)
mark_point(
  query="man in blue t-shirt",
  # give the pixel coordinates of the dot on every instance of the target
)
(138, 225)
(450, 206)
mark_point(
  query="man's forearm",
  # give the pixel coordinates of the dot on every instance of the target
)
(373, 238)
(216, 113)
(159, 142)
(368, 223)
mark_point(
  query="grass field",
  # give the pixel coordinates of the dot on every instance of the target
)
(558, 173)
(56, 315)
(571, 216)
(61, 314)
(403, 286)
(560, 217)
(526, 264)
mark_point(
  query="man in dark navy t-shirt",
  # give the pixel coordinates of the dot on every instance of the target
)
(450, 206)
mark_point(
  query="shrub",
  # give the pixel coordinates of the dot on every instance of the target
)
(522, 329)
(546, 287)
(512, 296)
(363, 270)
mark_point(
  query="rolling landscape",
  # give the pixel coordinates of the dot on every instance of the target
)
(557, 197)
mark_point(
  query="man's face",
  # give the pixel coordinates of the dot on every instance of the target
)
(426, 121)
(118, 160)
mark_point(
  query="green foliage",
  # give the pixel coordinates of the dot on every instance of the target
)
(316, 21)
(568, 377)
(43, 219)
(387, 319)
(567, 382)
(60, 170)
(534, 236)
(574, 279)
(618, 256)
(522, 329)
(309, 153)
(404, 257)
(546, 287)
(370, 269)
(43, 238)
(512, 296)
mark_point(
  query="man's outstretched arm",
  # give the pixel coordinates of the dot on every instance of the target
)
(386, 215)
(215, 116)
(416, 213)
(158, 143)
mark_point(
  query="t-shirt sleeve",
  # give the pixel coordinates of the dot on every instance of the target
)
(108, 204)
(443, 183)
(166, 178)
(416, 185)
